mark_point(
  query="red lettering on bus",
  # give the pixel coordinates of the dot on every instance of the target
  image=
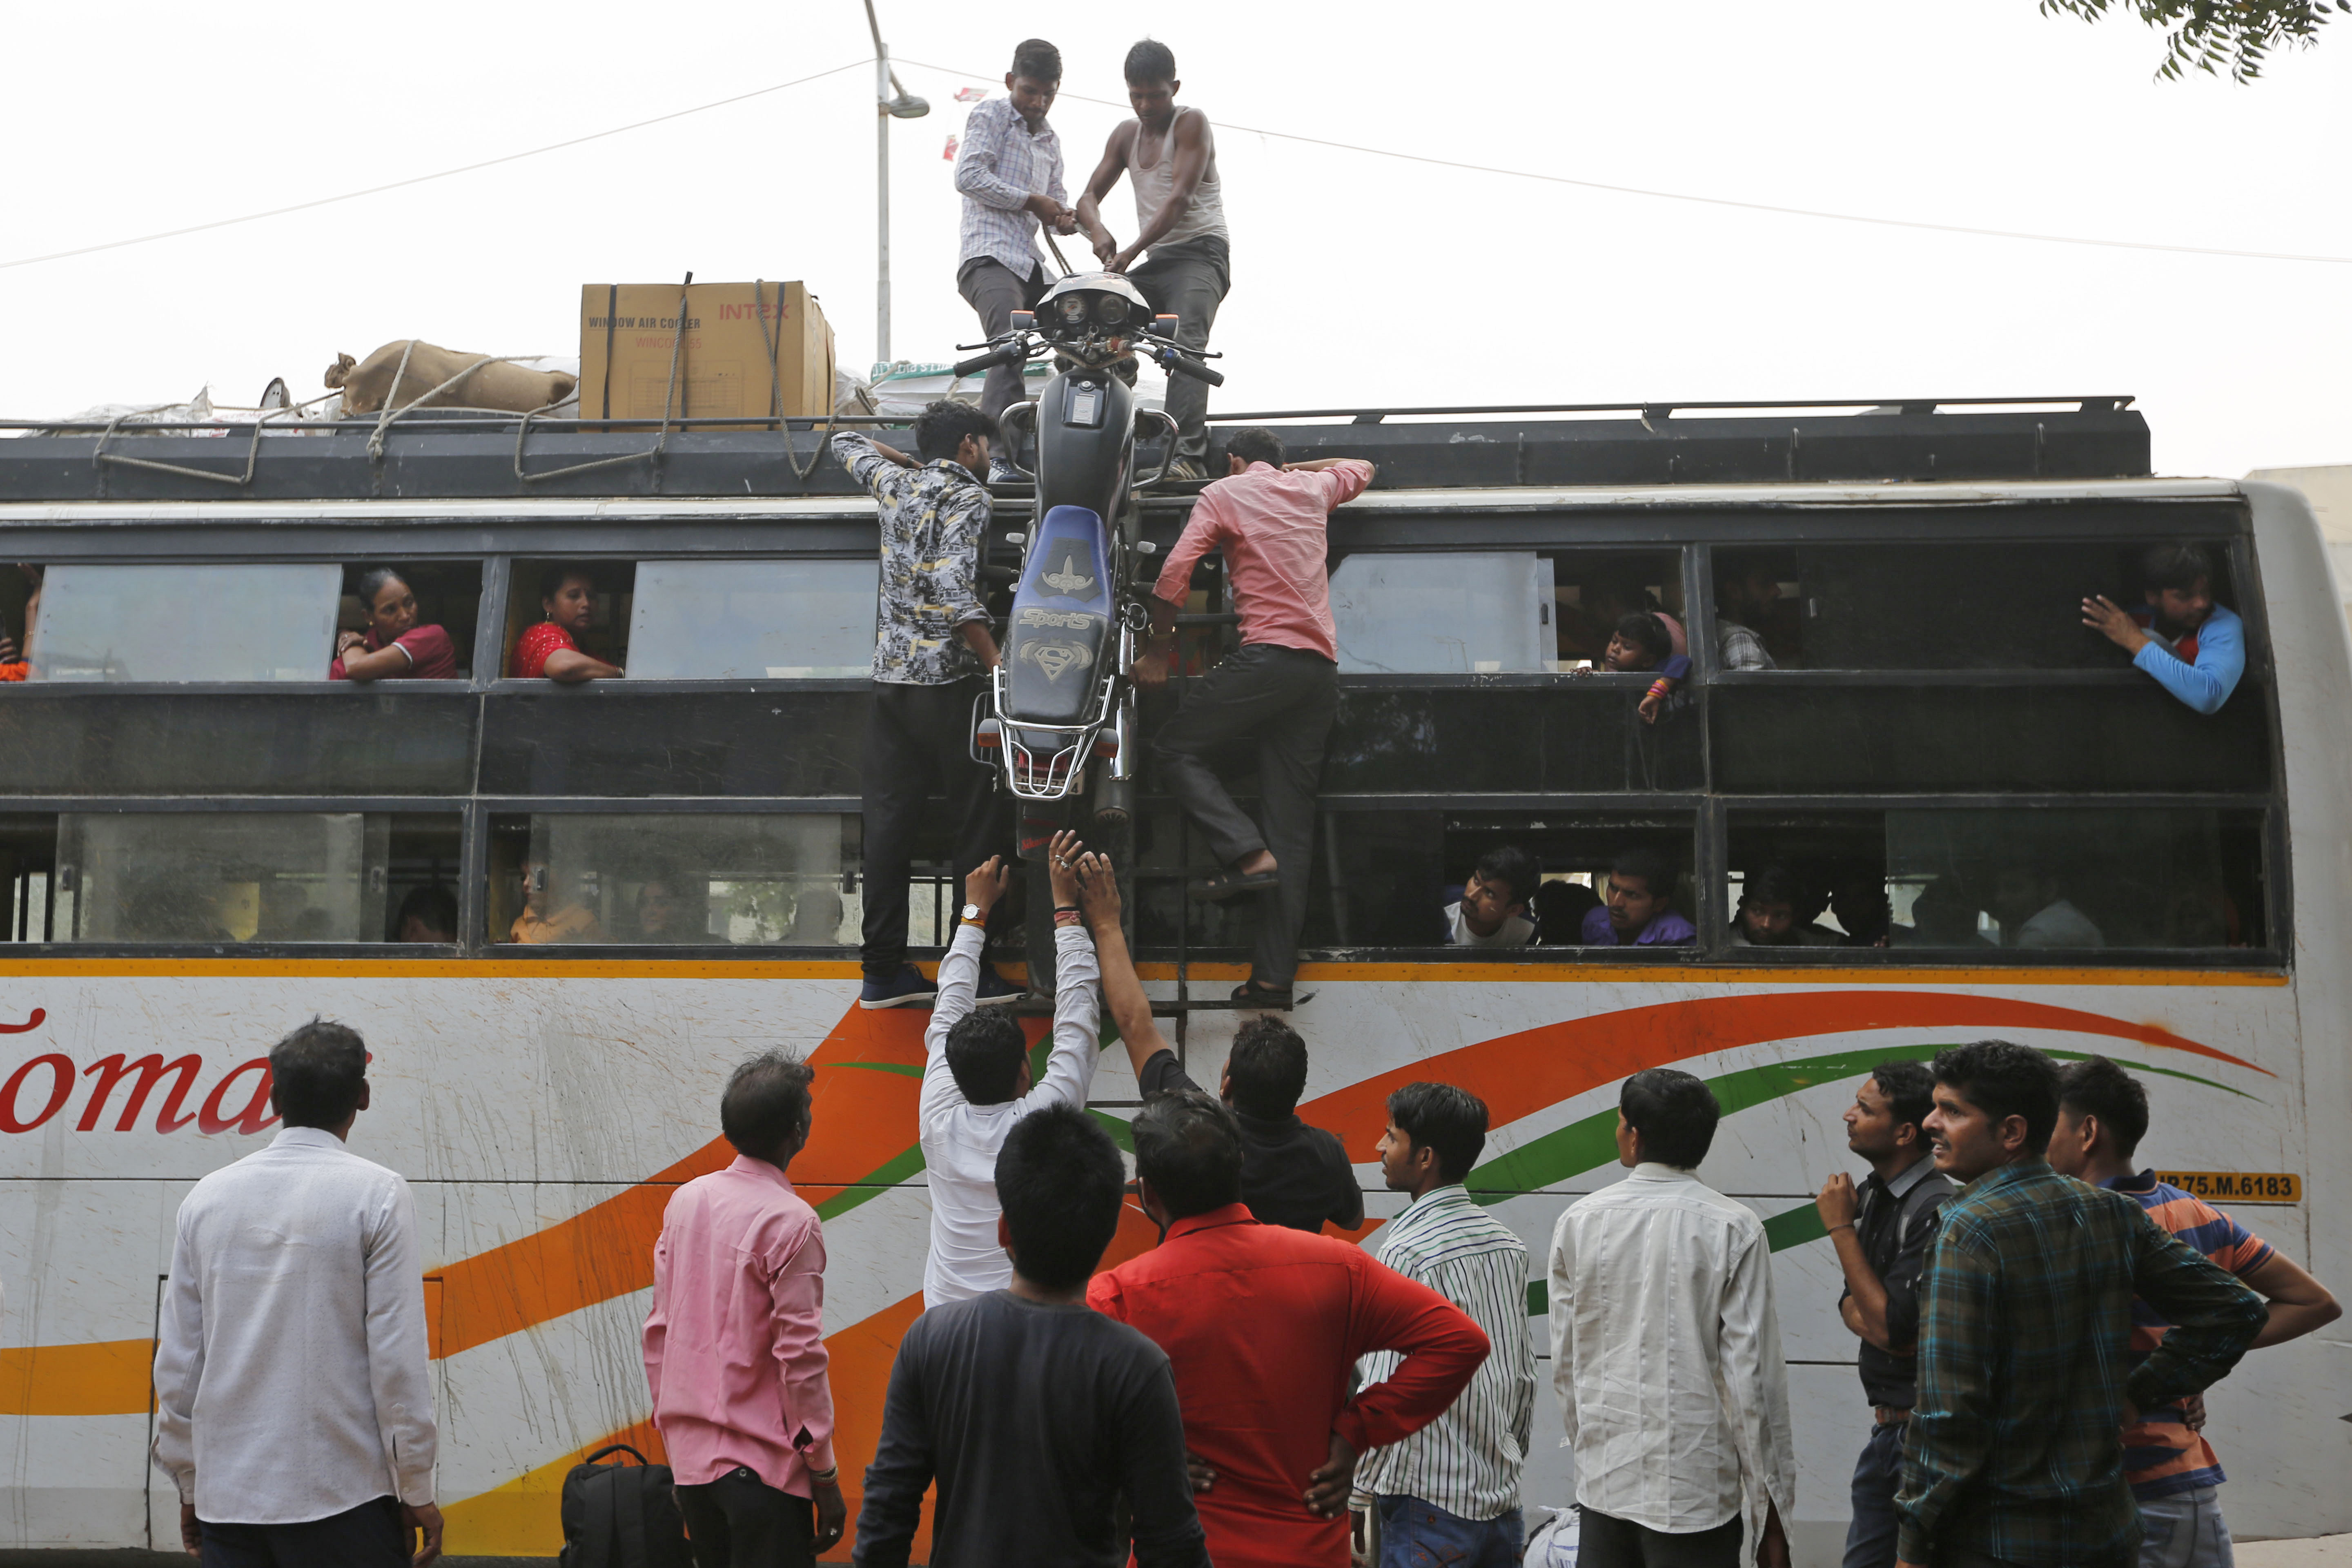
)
(32, 1023)
(211, 1118)
(62, 1070)
(151, 1071)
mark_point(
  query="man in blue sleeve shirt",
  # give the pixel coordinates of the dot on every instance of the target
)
(2194, 648)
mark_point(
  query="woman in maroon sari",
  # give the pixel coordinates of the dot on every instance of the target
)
(394, 646)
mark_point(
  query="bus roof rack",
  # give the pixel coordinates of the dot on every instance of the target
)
(454, 455)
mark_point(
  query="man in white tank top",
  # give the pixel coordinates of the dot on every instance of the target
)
(1179, 216)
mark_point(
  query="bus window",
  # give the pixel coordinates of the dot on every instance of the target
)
(1573, 737)
(448, 595)
(186, 623)
(534, 583)
(29, 858)
(220, 877)
(422, 867)
(780, 620)
(1432, 612)
(2007, 605)
(1759, 623)
(1974, 879)
(670, 879)
(1593, 590)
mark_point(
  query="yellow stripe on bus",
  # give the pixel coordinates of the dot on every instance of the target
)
(110, 1377)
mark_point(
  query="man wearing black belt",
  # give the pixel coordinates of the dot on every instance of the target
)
(1881, 1233)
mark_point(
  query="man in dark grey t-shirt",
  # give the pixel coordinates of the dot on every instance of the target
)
(1032, 1411)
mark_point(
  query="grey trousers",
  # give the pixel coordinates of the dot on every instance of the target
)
(1284, 698)
(1190, 279)
(996, 291)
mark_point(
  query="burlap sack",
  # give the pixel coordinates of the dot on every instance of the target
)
(366, 383)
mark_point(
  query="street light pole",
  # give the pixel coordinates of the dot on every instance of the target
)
(891, 101)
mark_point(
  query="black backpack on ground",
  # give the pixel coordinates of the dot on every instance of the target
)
(622, 1516)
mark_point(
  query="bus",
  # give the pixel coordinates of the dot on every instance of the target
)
(205, 842)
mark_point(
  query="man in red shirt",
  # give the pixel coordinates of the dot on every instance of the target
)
(1261, 1325)
(1280, 690)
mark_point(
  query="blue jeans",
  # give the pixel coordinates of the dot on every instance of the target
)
(1416, 1534)
(2185, 1530)
(1877, 1476)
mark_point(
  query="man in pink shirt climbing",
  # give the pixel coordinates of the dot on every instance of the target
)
(1280, 690)
(735, 1343)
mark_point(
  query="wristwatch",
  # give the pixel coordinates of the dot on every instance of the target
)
(973, 914)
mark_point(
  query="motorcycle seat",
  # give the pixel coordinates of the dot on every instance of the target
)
(1060, 633)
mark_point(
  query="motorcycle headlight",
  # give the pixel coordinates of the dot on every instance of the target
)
(1111, 310)
(1074, 308)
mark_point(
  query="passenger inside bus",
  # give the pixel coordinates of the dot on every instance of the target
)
(1642, 644)
(1941, 916)
(2195, 648)
(664, 917)
(427, 914)
(1746, 590)
(1492, 907)
(395, 646)
(552, 913)
(1768, 912)
(1559, 908)
(2033, 911)
(1858, 902)
(1638, 910)
(14, 650)
(551, 649)
(1606, 596)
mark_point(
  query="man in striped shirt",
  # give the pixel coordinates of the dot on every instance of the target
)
(2102, 1116)
(1450, 1492)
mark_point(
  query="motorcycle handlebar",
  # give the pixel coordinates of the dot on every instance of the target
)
(1008, 355)
(1195, 369)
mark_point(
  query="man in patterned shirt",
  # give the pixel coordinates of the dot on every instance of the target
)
(2014, 1452)
(932, 646)
(2173, 1475)
(1009, 167)
(1450, 1493)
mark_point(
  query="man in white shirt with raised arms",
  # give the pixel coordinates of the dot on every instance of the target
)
(1666, 1351)
(293, 1399)
(976, 1079)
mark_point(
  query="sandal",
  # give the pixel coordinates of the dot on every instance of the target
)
(1233, 884)
(1251, 994)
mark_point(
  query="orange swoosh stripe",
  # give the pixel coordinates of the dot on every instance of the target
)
(112, 1377)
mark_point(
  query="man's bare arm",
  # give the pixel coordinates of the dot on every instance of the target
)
(2298, 1302)
(1099, 186)
(1122, 992)
(1192, 146)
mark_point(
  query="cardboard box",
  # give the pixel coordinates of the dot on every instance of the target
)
(628, 330)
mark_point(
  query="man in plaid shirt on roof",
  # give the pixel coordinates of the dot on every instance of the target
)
(2026, 1383)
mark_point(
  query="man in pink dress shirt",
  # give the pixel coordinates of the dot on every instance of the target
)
(735, 1343)
(1280, 690)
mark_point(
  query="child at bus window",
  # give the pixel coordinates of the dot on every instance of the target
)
(394, 646)
(1559, 911)
(567, 597)
(1768, 912)
(1638, 910)
(1492, 909)
(2194, 648)
(547, 917)
(1642, 644)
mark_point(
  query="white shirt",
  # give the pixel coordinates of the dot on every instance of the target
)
(1468, 1461)
(1517, 930)
(961, 1139)
(290, 1374)
(1666, 1355)
(2059, 924)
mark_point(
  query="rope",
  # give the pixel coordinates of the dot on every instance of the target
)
(776, 393)
(392, 409)
(673, 398)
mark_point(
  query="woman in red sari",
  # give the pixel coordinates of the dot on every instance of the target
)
(551, 649)
(394, 646)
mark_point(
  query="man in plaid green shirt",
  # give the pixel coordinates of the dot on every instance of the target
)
(2014, 1452)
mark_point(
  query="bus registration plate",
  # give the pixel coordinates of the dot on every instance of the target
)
(2237, 1186)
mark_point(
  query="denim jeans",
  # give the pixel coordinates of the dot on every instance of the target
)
(1878, 1475)
(1417, 1534)
(2185, 1530)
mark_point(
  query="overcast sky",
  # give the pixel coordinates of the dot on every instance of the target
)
(1358, 279)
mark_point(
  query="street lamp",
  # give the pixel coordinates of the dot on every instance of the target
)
(891, 101)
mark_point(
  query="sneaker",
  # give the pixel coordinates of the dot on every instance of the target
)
(908, 988)
(1001, 472)
(994, 990)
(1186, 469)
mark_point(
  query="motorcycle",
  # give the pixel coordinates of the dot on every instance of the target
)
(1059, 699)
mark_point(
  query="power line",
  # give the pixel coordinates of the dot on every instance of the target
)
(421, 179)
(1711, 201)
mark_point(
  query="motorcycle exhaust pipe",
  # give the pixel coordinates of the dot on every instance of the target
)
(1114, 803)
